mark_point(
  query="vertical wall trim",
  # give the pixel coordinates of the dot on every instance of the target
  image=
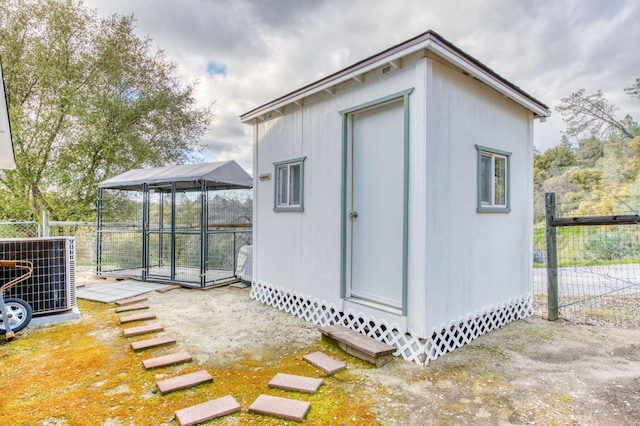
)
(343, 208)
(405, 207)
(256, 203)
(404, 95)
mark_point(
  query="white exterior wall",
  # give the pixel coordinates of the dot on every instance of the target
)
(301, 251)
(473, 260)
(459, 261)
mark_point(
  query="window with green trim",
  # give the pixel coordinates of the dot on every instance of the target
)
(289, 185)
(493, 180)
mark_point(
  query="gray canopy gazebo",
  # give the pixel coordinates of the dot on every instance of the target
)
(182, 224)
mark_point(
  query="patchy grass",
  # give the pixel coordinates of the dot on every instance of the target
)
(84, 372)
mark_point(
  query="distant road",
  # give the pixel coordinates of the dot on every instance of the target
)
(612, 280)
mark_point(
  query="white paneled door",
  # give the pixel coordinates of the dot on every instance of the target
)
(375, 206)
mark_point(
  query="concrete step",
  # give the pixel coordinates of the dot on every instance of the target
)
(137, 317)
(359, 345)
(131, 300)
(184, 381)
(165, 360)
(292, 382)
(152, 343)
(206, 411)
(142, 329)
(283, 408)
(324, 362)
(133, 307)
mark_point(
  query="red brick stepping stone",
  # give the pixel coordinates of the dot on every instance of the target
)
(283, 408)
(131, 300)
(207, 410)
(184, 381)
(163, 361)
(137, 317)
(291, 382)
(152, 343)
(134, 307)
(142, 329)
(326, 363)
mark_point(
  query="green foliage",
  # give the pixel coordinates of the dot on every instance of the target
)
(589, 151)
(585, 179)
(601, 166)
(88, 99)
(613, 245)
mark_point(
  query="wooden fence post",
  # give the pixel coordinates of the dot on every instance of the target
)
(552, 257)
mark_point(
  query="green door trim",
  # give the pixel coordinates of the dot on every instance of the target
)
(404, 95)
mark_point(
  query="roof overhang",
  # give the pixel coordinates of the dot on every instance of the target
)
(7, 159)
(427, 42)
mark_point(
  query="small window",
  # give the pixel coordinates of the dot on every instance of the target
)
(493, 180)
(289, 185)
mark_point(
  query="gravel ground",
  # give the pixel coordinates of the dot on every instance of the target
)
(529, 372)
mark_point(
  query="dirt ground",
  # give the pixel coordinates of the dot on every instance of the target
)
(529, 372)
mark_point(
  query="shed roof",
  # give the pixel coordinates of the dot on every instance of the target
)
(428, 41)
(217, 175)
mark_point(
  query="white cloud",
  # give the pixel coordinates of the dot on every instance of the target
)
(549, 48)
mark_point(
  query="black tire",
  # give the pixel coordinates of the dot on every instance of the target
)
(19, 312)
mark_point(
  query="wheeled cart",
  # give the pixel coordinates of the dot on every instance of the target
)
(16, 313)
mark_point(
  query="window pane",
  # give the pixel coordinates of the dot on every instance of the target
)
(283, 185)
(485, 179)
(500, 181)
(294, 178)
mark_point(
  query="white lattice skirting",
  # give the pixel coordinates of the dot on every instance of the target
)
(444, 339)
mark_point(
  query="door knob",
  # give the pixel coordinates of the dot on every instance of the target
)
(353, 215)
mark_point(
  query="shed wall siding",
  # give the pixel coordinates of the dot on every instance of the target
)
(473, 260)
(459, 261)
(303, 251)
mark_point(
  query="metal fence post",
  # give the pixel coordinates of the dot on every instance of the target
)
(45, 223)
(552, 257)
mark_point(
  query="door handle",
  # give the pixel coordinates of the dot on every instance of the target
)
(353, 215)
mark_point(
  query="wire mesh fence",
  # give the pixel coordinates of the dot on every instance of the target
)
(598, 265)
(17, 229)
(188, 236)
(85, 235)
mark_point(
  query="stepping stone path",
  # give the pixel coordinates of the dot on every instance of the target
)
(152, 343)
(137, 317)
(142, 329)
(131, 300)
(295, 383)
(165, 360)
(325, 363)
(284, 408)
(184, 381)
(207, 410)
(132, 307)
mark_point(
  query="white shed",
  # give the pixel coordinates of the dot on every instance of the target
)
(395, 197)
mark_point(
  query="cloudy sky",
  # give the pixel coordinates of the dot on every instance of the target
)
(247, 52)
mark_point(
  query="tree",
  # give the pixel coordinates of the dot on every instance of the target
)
(589, 150)
(592, 116)
(88, 99)
(634, 90)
